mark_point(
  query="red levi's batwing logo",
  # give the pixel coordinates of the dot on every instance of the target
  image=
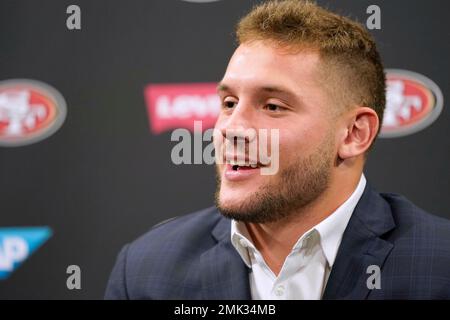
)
(173, 106)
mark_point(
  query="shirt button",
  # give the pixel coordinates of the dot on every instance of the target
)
(279, 291)
(243, 243)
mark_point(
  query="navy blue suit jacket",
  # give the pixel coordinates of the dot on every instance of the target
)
(191, 257)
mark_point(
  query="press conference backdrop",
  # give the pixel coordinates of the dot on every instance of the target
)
(85, 155)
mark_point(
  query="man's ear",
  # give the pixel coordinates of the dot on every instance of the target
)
(362, 128)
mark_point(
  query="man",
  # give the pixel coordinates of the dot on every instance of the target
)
(315, 229)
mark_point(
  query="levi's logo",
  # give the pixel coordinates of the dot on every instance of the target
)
(173, 106)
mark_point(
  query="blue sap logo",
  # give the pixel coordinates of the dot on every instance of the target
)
(17, 244)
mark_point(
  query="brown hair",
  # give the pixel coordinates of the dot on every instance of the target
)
(351, 64)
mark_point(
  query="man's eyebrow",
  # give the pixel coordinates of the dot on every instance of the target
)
(222, 87)
(270, 89)
(275, 89)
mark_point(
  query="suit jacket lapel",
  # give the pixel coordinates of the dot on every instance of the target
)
(225, 275)
(361, 247)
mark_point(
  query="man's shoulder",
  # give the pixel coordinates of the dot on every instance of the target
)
(409, 216)
(164, 262)
(201, 219)
(188, 232)
(420, 239)
(417, 267)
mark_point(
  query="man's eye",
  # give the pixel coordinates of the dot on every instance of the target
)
(228, 104)
(273, 107)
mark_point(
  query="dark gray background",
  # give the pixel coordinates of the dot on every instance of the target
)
(103, 179)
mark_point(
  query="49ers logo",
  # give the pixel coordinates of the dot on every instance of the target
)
(29, 112)
(413, 103)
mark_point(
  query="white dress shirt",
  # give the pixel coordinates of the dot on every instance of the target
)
(306, 269)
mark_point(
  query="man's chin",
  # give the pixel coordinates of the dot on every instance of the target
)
(232, 203)
(232, 211)
(237, 194)
(235, 200)
(239, 206)
(241, 212)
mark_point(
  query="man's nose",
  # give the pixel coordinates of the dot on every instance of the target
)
(240, 124)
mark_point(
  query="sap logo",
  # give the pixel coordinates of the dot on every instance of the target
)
(17, 244)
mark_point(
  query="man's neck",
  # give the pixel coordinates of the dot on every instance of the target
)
(275, 240)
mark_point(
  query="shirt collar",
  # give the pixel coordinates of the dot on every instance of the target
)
(240, 240)
(330, 229)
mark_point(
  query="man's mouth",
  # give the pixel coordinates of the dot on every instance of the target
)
(238, 167)
(242, 162)
(234, 172)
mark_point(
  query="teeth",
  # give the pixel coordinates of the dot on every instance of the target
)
(241, 163)
(235, 163)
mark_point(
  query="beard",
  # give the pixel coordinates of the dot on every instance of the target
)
(293, 189)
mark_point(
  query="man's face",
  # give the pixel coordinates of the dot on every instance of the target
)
(265, 87)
